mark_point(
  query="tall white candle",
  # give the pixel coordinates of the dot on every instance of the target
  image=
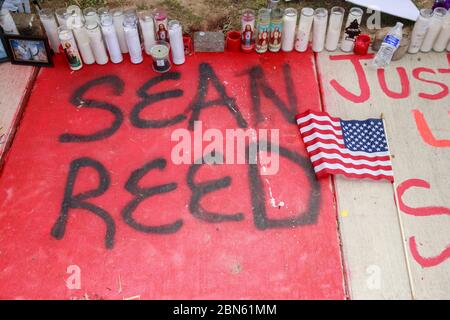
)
(51, 28)
(90, 14)
(434, 29)
(176, 42)
(7, 22)
(61, 16)
(352, 29)
(118, 19)
(420, 30)
(132, 38)
(444, 36)
(304, 29)
(110, 36)
(96, 42)
(82, 38)
(148, 30)
(334, 28)
(319, 29)
(289, 25)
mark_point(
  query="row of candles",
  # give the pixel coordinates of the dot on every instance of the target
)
(88, 36)
(277, 29)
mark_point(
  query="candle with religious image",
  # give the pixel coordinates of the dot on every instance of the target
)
(111, 39)
(276, 29)
(289, 26)
(70, 48)
(319, 29)
(118, 19)
(176, 42)
(48, 20)
(96, 42)
(304, 29)
(334, 28)
(420, 30)
(132, 37)
(147, 29)
(352, 29)
(161, 21)
(262, 38)
(7, 22)
(444, 36)
(247, 30)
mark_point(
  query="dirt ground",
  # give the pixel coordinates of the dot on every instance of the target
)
(213, 15)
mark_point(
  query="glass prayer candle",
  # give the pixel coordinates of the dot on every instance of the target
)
(161, 25)
(111, 39)
(70, 48)
(319, 29)
(176, 42)
(90, 14)
(48, 20)
(160, 55)
(7, 22)
(118, 19)
(304, 29)
(247, 30)
(289, 26)
(436, 21)
(262, 40)
(61, 16)
(443, 38)
(334, 28)
(362, 44)
(96, 41)
(131, 12)
(272, 4)
(101, 11)
(82, 38)
(147, 29)
(276, 28)
(420, 30)
(132, 37)
(352, 29)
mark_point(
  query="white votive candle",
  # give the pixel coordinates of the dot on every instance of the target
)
(132, 37)
(434, 29)
(319, 29)
(176, 42)
(289, 26)
(96, 42)
(334, 28)
(420, 30)
(442, 40)
(118, 19)
(51, 27)
(7, 22)
(111, 40)
(148, 30)
(304, 29)
(352, 29)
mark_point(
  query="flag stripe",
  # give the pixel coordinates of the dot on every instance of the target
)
(335, 156)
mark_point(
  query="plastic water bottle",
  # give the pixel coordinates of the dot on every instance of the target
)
(390, 44)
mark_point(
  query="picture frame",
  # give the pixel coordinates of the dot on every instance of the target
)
(4, 56)
(29, 50)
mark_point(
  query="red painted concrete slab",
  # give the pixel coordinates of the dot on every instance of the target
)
(160, 243)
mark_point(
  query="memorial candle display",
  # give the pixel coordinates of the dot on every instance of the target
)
(276, 28)
(96, 41)
(90, 14)
(51, 27)
(148, 30)
(111, 39)
(304, 29)
(319, 29)
(435, 28)
(289, 26)
(176, 42)
(161, 25)
(118, 19)
(61, 16)
(7, 22)
(132, 38)
(160, 55)
(334, 28)
(82, 38)
(420, 30)
(262, 39)
(247, 30)
(352, 29)
(70, 48)
(444, 36)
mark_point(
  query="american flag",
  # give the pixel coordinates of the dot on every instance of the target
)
(356, 149)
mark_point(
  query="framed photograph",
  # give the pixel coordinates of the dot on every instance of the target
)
(3, 53)
(29, 50)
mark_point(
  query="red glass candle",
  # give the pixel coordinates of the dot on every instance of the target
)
(187, 41)
(233, 41)
(362, 44)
